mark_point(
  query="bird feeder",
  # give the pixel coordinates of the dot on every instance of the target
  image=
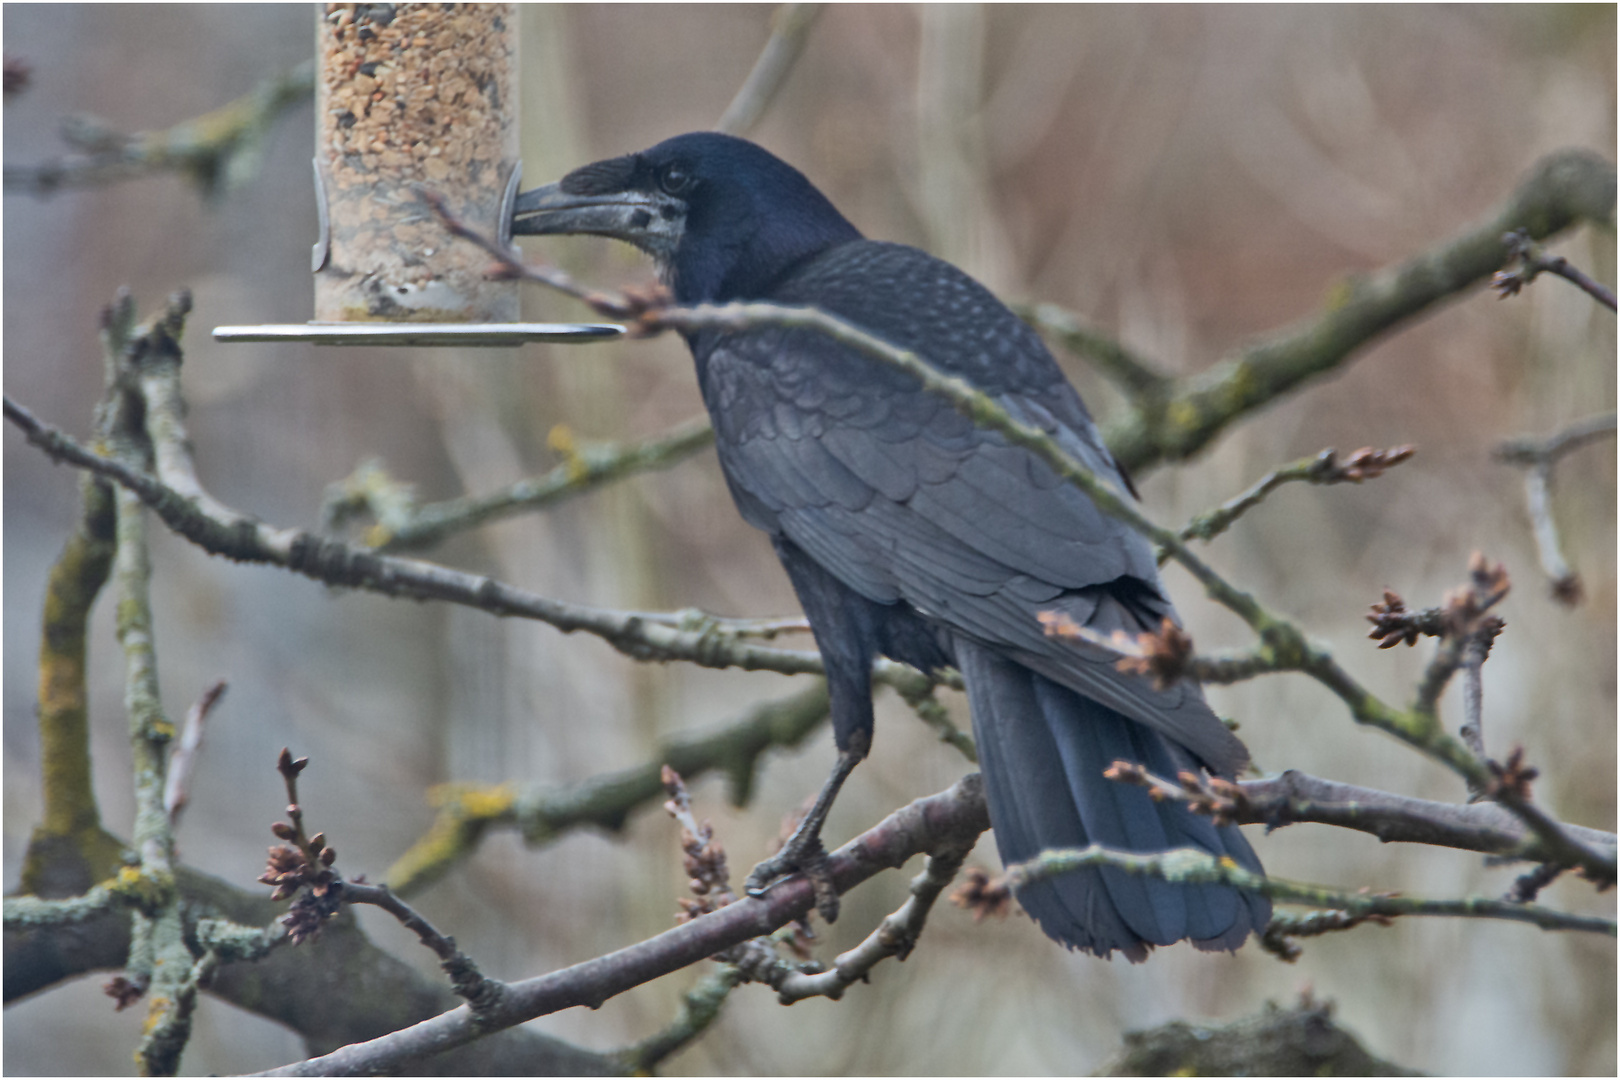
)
(414, 97)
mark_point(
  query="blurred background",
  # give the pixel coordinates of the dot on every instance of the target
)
(1187, 178)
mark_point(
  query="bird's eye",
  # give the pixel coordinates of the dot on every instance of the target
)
(675, 180)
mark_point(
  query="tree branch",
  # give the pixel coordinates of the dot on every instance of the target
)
(184, 759)
(1533, 262)
(1283, 644)
(1295, 797)
(954, 816)
(1191, 867)
(790, 28)
(895, 936)
(700, 1007)
(216, 151)
(404, 526)
(1538, 457)
(466, 812)
(1133, 374)
(1561, 190)
(1324, 468)
(194, 514)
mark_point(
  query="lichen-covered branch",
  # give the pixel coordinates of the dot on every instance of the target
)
(895, 936)
(1301, 1041)
(466, 812)
(190, 511)
(1133, 374)
(216, 151)
(1192, 867)
(917, 690)
(1278, 938)
(161, 962)
(1561, 190)
(401, 525)
(700, 1007)
(276, 983)
(63, 719)
(68, 850)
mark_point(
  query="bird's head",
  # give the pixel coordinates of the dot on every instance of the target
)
(722, 218)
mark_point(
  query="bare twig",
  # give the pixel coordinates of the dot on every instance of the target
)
(1534, 451)
(1538, 457)
(1561, 844)
(1472, 731)
(1528, 262)
(303, 862)
(302, 865)
(184, 758)
(1164, 656)
(1324, 468)
(17, 75)
(1465, 627)
(1277, 938)
(790, 28)
(1294, 797)
(481, 992)
(705, 863)
(511, 264)
(1529, 885)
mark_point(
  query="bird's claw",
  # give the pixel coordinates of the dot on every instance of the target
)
(807, 858)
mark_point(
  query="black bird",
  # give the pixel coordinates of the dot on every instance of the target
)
(907, 531)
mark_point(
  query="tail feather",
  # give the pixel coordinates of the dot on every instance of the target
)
(1042, 750)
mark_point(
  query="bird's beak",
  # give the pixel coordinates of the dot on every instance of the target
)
(550, 211)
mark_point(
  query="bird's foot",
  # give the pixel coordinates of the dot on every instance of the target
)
(802, 854)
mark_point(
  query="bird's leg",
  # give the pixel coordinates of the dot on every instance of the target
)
(803, 852)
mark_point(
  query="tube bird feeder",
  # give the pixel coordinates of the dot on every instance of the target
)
(411, 97)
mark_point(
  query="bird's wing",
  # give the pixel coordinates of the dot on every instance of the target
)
(903, 498)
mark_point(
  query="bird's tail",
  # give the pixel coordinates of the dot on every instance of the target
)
(1042, 750)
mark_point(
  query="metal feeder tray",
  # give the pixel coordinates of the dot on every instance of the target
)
(407, 333)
